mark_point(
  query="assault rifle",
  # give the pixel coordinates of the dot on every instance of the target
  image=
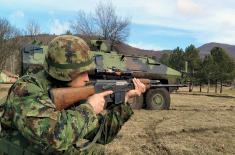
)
(66, 97)
(108, 74)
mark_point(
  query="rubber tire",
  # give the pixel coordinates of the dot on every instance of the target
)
(137, 102)
(165, 96)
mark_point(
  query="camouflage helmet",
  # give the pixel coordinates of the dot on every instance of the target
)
(67, 54)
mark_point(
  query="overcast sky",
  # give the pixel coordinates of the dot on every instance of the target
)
(156, 24)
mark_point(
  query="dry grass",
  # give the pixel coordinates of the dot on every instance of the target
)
(193, 125)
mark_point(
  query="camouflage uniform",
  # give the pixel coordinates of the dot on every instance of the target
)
(33, 123)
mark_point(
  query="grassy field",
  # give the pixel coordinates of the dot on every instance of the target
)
(195, 124)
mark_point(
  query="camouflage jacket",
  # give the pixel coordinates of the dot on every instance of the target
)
(30, 111)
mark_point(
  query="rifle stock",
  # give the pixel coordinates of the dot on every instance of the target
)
(66, 97)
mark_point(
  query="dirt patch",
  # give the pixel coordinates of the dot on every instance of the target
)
(193, 125)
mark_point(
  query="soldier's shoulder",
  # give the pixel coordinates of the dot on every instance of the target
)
(32, 80)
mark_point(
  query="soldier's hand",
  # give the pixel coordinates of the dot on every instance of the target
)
(139, 89)
(97, 101)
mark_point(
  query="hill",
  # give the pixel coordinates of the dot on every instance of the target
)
(206, 48)
(129, 50)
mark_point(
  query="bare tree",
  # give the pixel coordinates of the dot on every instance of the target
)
(111, 26)
(33, 29)
(83, 24)
(9, 41)
(104, 23)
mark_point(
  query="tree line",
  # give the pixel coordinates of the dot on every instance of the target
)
(215, 68)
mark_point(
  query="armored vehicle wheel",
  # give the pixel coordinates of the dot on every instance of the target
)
(136, 102)
(158, 99)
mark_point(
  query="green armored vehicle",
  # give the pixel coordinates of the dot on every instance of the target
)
(108, 61)
(139, 67)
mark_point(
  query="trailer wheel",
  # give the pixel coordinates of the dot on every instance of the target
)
(158, 99)
(136, 102)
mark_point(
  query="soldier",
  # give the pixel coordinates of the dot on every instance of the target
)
(32, 123)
